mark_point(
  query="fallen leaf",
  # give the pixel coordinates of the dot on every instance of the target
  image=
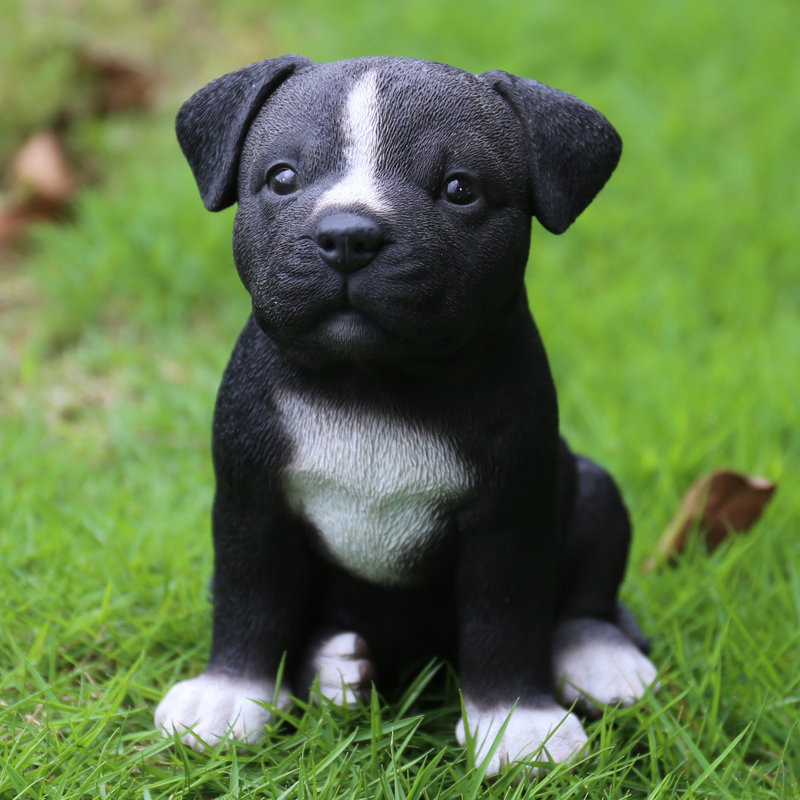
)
(40, 169)
(40, 181)
(15, 220)
(115, 84)
(716, 505)
(39, 185)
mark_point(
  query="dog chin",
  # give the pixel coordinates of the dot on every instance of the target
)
(351, 336)
(339, 336)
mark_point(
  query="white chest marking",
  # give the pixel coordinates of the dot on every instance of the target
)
(376, 488)
(360, 128)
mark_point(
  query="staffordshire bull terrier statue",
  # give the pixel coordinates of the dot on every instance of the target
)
(390, 480)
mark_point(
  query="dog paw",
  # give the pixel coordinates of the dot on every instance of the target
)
(548, 730)
(596, 665)
(212, 707)
(345, 669)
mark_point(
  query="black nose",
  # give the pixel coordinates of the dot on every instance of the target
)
(348, 242)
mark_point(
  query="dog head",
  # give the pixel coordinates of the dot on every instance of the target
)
(384, 204)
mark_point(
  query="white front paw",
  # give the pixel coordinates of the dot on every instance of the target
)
(212, 707)
(547, 730)
(597, 665)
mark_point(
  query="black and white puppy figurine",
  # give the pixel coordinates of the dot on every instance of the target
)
(391, 483)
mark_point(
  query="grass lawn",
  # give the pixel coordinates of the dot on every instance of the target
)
(671, 312)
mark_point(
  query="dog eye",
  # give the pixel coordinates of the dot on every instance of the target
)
(460, 189)
(282, 179)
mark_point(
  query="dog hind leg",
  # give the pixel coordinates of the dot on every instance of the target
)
(342, 662)
(598, 650)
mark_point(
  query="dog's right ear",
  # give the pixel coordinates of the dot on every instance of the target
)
(213, 123)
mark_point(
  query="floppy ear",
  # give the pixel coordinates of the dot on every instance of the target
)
(212, 124)
(572, 149)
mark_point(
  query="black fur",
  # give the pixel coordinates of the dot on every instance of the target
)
(435, 331)
(212, 127)
(566, 170)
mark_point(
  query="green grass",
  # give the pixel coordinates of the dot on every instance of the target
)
(671, 315)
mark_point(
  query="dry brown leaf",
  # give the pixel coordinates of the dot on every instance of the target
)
(116, 84)
(41, 182)
(39, 186)
(40, 169)
(716, 505)
(15, 220)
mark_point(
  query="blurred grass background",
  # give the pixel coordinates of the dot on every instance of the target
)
(670, 312)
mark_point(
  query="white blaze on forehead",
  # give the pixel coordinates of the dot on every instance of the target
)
(360, 127)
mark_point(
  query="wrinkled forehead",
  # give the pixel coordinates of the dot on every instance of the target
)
(398, 108)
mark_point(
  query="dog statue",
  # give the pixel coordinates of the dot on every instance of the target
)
(391, 483)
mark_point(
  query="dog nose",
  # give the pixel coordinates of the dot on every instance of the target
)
(348, 242)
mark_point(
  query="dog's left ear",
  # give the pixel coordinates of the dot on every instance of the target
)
(213, 123)
(572, 148)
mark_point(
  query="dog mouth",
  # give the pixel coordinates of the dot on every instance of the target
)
(337, 329)
(343, 333)
(357, 336)
(351, 320)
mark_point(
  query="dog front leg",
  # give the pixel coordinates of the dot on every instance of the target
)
(261, 592)
(506, 597)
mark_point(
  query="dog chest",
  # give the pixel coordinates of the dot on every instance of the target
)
(376, 488)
